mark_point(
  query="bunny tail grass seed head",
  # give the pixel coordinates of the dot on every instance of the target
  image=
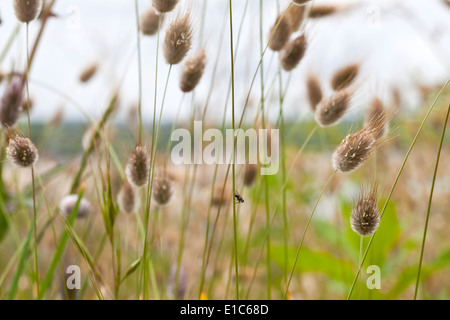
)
(162, 190)
(250, 174)
(67, 205)
(344, 77)
(193, 71)
(178, 40)
(321, 11)
(150, 22)
(11, 104)
(296, 15)
(88, 73)
(331, 110)
(27, 10)
(280, 33)
(138, 166)
(313, 91)
(127, 198)
(376, 118)
(164, 6)
(365, 216)
(292, 53)
(300, 2)
(21, 151)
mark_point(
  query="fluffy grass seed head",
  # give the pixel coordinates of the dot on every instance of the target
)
(178, 40)
(127, 198)
(88, 73)
(331, 110)
(250, 174)
(21, 151)
(27, 10)
(11, 104)
(280, 32)
(138, 166)
(193, 69)
(344, 77)
(321, 11)
(376, 118)
(313, 90)
(67, 205)
(300, 2)
(365, 216)
(164, 6)
(162, 190)
(150, 21)
(296, 15)
(292, 53)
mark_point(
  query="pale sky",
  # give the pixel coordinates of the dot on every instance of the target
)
(399, 43)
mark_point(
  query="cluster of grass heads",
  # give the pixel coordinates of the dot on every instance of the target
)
(185, 236)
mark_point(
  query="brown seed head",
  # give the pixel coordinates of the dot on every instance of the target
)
(292, 53)
(300, 2)
(21, 151)
(320, 11)
(150, 22)
(11, 104)
(193, 71)
(178, 40)
(164, 6)
(344, 77)
(313, 91)
(280, 32)
(27, 10)
(295, 15)
(250, 174)
(138, 166)
(365, 217)
(88, 73)
(68, 203)
(331, 110)
(162, 190)
(376, 118)
(127, 198)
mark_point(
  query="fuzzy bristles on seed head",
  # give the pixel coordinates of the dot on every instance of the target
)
(162, 190)
(292, 53)
(332, 109)
(313, 91)
(193, 71)
(295, 15)
(250, 174)
(138, 166)
(127, 198)
(178, 40)
(320, 11)
(68, 203)
(280, 33)
(10, 105)
(27, 10)
(365, 217)
(150, 22)
(88, 73)
(21, 151)
(376, 118)
(164, 6)
(300, 2)
(344, 77)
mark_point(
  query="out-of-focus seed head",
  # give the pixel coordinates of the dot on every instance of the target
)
(300, 2)
(27, 10)
(138, 166)
(296, 15)
(331, 110)
(178, 40)
(127, 198)
(150, 22)
(280, 33)
(344, 77)
(193, 71)
(162, 190)
(11, 104)
(164, 6)
(321, 11)
(365, 216)
(250, 174)
(313, 91)
(68, 203)
(292, 53)
(376, 118)
(21, 151)
(88, 73)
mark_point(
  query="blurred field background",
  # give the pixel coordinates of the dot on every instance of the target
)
(404, 62)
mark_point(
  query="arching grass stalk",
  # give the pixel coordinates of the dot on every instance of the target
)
(36, 264)
(138, 38)
(304, 233)
(429, 204)
(395, 184)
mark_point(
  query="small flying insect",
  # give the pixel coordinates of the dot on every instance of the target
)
(238, 197)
